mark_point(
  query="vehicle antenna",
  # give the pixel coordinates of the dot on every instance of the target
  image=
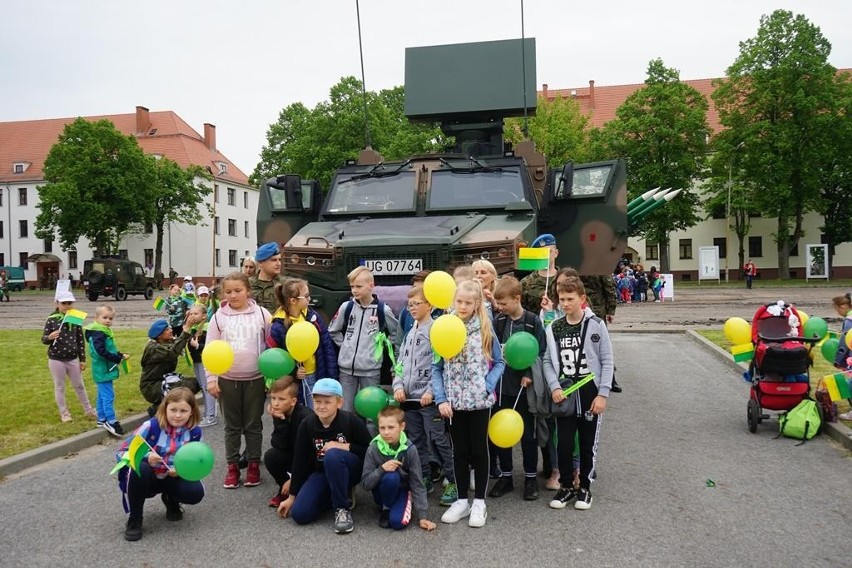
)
(363, 81)
(524, 69)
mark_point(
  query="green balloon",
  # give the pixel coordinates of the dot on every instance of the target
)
(829, 349)
(816, 327)
(370, 401)
(521, 350)
(275, 363)
(194, 461)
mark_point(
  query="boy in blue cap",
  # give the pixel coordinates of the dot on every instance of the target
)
(268, 258)
(160, 358)
(328, 458)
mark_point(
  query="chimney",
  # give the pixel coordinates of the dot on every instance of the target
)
(544, 90)
(591, 93)
(143, 120)
(210, 136)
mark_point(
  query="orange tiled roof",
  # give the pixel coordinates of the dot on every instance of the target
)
(168, 135)
(607, 98)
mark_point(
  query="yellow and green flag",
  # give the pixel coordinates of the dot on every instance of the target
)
(74, 317)
(838, 386)
(533, 258)
(125, 366)
(136, 452)
(159, 303)
(742, 352)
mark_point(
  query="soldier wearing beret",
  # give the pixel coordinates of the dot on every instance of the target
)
(268, 259)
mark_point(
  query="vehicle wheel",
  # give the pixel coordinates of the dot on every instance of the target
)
(93, 297)
(149, 292)
(120, 294)
(94, 277)
(753, 416)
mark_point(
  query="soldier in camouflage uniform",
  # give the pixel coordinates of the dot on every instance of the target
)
(268, 275)
(533, 285)
(600, 291)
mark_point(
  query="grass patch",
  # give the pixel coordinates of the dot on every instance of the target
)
(30, 418)
(820, 369)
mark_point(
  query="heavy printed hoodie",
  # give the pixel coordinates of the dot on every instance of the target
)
(356, 338)
(415, 358)
(561, 357)
(467, 381)
(246, 331)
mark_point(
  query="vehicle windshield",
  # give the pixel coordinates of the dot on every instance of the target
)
(370, 194)
(475, 189)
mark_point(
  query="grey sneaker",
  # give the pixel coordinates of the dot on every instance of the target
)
(209, 421)
(343, 521)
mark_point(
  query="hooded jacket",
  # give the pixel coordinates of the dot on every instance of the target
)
(69, 345)
(415, 356)
(103, 352)
(356, 338)
(159, 359)
(246, 331)
(410, 470)
(326, 354)
(597, 350)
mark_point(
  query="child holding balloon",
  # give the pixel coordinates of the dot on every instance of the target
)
(241, 390)
(174, 425)
(293, 298)
(195, 347)
(463, 384)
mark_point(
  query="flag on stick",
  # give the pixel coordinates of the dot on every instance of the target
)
(125, 366)
(578, 384)
(742, 352)
(121, 463)
(533, 258)
(74, 317)
(136, 452)
(838, 386)
(159, 303)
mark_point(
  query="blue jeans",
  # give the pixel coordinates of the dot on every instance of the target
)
(327, 489)
(392, 493)
(424, 425)
(105, 404)
(306, 385)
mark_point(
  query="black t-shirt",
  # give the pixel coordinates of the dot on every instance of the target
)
(572, 359)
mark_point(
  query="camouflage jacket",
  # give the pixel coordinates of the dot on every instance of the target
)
(263, 292)
(600, 290)
(532, 290)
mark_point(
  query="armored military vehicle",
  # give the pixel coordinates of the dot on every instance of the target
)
(437, 211)
(116, 277)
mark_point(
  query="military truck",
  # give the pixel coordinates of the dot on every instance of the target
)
(483, 200)
(116, 277)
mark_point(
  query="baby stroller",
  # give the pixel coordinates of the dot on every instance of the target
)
(779, 370)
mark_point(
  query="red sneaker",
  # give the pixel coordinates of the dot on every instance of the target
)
(275, 501)
(232, 478)
(253, 474)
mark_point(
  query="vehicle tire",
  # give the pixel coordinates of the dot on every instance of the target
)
(93, 297)
(753, 416)
(120, 294)
(94, 277)
(149, 292)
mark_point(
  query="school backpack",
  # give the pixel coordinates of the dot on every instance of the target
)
(501, 320)
(803, 422)
(387, 364)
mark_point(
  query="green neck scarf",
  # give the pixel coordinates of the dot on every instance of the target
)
(386, 450)
(95, 326)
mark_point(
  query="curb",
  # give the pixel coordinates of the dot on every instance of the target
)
(837, 431)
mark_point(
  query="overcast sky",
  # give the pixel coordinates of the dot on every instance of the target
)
(236, 64)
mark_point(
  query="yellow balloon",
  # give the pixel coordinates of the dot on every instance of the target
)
(738, 331)
(302, 340)
(803, 317)
(439, 289)
(506, 428)
(447, 335)
(217, 357)
(849, 339)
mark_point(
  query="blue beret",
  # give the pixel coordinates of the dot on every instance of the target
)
(157, 328)
(328, 387)
(266, 251)
(544, 240)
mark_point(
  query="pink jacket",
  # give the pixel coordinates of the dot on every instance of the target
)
(246, 331)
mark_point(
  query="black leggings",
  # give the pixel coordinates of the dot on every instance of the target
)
(469, 431)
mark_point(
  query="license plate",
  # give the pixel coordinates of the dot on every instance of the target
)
(85, 282)
(394, 267)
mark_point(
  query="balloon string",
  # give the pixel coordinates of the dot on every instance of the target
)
(517, 398)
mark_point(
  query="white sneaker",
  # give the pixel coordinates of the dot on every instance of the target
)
(846, 415)
(478, 514)
(457, 511)
(209, 421)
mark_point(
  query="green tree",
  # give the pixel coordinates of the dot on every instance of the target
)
(313, 143)
(781, 100)
(98, 184)
(559, 128)
(178, 197)
(661, 131)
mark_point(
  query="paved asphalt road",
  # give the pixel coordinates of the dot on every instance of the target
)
(680, 422)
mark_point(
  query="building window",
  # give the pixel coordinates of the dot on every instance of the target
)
(2, 259)
(722, 243)
(22, 196)
(149, 257)
(217, 257)
(216, 192)
(1, 199)
(232, 196)
(652, 251)
(246, 227)
(755, 247)
(72, 259)
(23, 229)
(215, 225)
(19, 168)
(22, 259)
(232, 227)
(245, 199)
(232, 257)
(685, 248)
(48, 245)
(149, 228)
(1, 232)
(794, 251)
(122, 254)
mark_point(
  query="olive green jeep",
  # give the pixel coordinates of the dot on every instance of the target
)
(116, 277)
